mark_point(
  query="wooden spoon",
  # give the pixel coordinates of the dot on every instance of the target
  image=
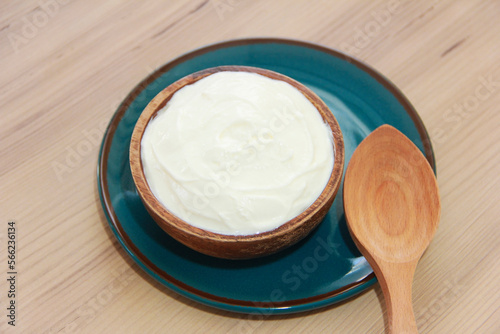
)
(392, 207)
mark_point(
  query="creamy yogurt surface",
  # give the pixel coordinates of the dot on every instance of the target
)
(237, 153)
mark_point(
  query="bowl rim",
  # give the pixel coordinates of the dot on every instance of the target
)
(169, 218)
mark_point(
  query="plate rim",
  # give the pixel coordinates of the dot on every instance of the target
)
(228, 304)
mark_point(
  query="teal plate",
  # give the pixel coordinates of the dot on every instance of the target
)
(323, 269)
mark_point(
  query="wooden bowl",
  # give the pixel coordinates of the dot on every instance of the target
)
(236, 246)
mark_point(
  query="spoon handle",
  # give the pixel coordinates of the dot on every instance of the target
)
(396, 282)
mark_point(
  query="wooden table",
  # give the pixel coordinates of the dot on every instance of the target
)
(65, 67)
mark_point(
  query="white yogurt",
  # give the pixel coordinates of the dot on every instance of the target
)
(237, 153)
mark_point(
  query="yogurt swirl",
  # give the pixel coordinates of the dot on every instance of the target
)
(237, 153)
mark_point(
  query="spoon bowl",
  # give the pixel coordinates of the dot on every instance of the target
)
(392, 207)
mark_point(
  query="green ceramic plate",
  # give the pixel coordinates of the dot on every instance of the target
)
(324, 268)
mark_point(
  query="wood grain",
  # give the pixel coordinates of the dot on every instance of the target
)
(61, 82)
